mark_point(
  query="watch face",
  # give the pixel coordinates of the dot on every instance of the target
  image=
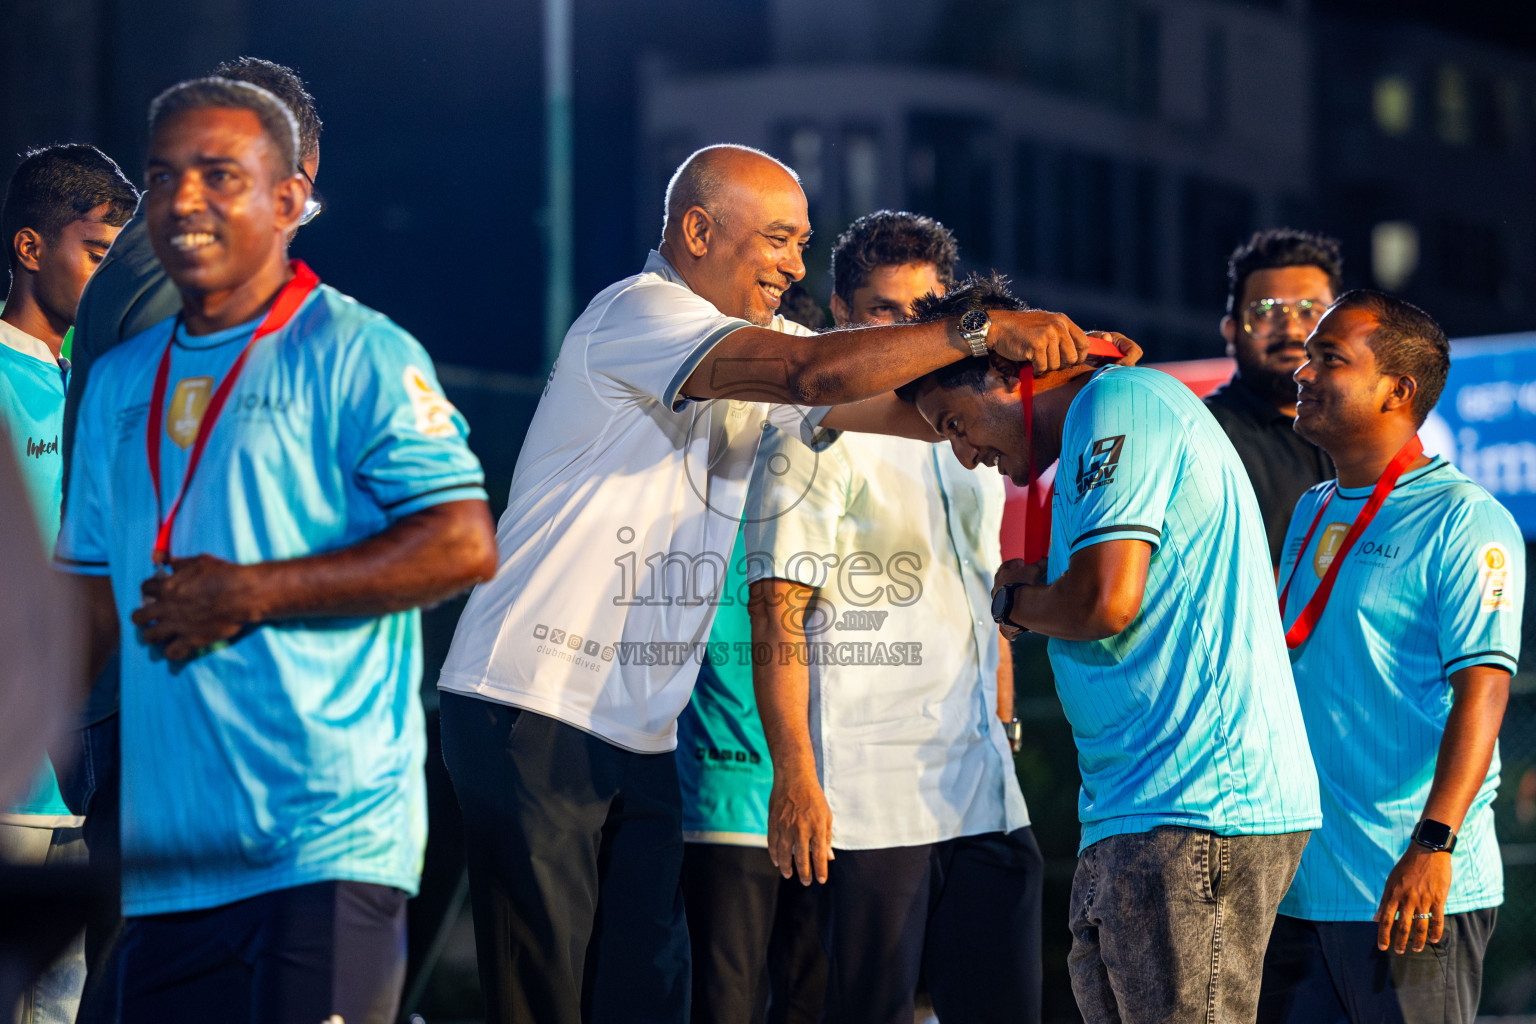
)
(1000, 600)
(1434, 834)
(974, 320)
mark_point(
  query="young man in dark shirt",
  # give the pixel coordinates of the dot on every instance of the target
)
(1279, 283)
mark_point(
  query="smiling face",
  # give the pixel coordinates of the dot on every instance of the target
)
(1341, 388)
(752, 247)
(984, 427)
(67, 262)
(1268, 344)
(219, 202)
(887, 294)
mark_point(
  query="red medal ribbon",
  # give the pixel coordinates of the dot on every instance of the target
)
(1302, 627)
(284, 306)
(1037, 499)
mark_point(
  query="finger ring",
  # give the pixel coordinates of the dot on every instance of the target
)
(1422, 917)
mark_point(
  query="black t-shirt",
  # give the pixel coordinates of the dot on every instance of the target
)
(1280, 462)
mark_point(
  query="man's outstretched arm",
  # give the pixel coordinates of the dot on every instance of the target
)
(762, 365)
(424, 558)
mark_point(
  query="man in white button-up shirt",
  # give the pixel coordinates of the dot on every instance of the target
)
(871, 560)
(569, 669)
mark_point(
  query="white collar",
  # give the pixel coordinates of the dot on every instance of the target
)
(21, 341)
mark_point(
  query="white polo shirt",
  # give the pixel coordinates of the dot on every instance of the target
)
(624, 507)
(902, 542)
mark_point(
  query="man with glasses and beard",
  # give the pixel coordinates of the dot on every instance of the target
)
(1279, 283)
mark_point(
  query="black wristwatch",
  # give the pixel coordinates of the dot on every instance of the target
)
(1002, 604)
(1434, 835)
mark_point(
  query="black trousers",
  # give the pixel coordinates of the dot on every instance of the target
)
(964, 912)
(292, 956)
(1330, 972)
(92, 788)
(575, 851)
(757, 957)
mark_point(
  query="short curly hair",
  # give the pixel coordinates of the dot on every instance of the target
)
(979, 291)
(1283, 247)
(891, 238)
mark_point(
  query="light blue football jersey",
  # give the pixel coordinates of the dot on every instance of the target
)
(294, 754)
(723, 767)
(1188, 716)
(1434, 585)
(32, 410)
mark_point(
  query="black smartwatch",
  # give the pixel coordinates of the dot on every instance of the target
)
(1002, 604)
(1432, 834)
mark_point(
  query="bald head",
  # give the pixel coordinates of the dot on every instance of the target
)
(736, 230)
(708, 178)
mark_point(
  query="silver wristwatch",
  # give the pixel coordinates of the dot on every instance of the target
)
(974, 326)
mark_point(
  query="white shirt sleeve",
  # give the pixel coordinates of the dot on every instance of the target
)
(649, 338)
(795, 504)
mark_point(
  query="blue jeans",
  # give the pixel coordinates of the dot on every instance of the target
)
(1170, 925)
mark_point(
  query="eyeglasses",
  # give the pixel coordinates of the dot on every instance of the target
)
(314, 204)
(1264, 316)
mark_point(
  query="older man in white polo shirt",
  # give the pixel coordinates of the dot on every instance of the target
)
(871, 562)
(569, 669)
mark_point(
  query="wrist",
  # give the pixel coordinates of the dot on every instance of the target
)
(249, 598)
(1431, 836)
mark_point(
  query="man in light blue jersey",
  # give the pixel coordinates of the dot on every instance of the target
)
(63, 208)
(265, 486)
(1403, 586)
(894, 786)
(1198, 788)
(127, 294)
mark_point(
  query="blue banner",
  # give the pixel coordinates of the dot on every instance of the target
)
(1485, 421)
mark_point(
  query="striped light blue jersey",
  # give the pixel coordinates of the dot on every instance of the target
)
(723, 765)
(1188, 716)
(1434, 585)
(293, 755)
(32, 412)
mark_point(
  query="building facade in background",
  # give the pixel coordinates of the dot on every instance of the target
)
(1108, 154)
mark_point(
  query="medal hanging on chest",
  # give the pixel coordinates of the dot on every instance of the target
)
(1307, 620)
(283, 308)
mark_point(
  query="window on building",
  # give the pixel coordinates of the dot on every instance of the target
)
(805, 144)
(1027, 199)
(1146, 250)
(1469, 257)
(861, 171)
(1392, 103)
(1453, 106)
(1146, 74)
(1394, 253)
(1079, 237)
(949, 176)
(1213, 218)
(1216, 76)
